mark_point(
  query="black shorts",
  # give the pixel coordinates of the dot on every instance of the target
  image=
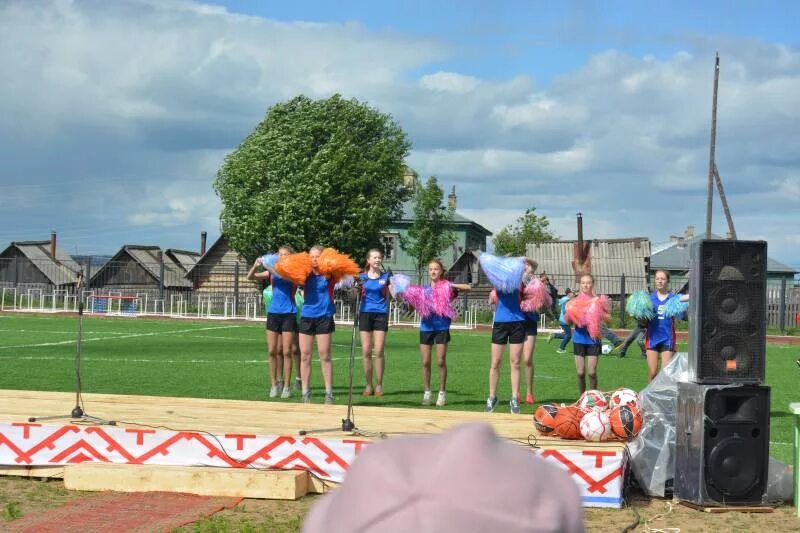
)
(282, 322)
(582, 350)
(434, 337)
(508, 332)
(531, 328)
(373, 322)
(321, 325)
(662, 347)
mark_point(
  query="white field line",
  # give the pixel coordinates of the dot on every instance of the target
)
(127, 336)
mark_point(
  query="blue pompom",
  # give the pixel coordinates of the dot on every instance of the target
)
(640, 306)
(505, 273)
(674, 307)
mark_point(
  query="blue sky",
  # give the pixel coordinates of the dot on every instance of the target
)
(115, 116)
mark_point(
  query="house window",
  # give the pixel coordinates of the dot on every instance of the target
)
(389, 243)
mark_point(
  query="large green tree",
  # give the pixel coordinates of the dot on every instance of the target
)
(429, 233)
(324, 172)
(514, 238)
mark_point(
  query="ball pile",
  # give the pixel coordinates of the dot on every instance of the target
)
(596, 416)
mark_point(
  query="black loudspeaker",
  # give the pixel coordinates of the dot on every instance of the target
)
(727, 311)
(722, 444)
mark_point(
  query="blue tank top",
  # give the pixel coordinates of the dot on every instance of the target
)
(508, 307)
(282, 296)
(581, 336)
(373, 293)
(434, 323)
(661, 328)
(318, 295)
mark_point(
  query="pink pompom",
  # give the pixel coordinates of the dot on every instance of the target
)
(416, 297)
(598, 313)
(535, 297)
(575, 312)
(443, 295)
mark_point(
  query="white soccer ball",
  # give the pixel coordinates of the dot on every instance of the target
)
(596, 426)
(622, 397)
(593, 400)
(606, 349)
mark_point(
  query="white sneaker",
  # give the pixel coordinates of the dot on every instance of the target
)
(298, 385)
(279, 384)
(273, 391)
(329, 399)
(441, 398)
(287, 393)
(426, 398)
(306, 396)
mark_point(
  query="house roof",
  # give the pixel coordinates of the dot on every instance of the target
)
(611, 258)
(202, 259)
(677, 255)
(458, 219)
(184, 258)
(148, 258)
(61, 271)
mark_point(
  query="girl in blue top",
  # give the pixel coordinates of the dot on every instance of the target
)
(586, 348)
(435, 329)
(373, 319)
(508, 328)
(660, 334)
(281, 327)
(531, 330)
(316, 321)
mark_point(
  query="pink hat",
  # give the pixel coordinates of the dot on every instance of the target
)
(466, 479)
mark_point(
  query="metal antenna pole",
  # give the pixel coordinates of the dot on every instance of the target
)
(712, 148)
(721, 190)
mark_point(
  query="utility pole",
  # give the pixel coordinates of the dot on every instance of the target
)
(711, 164)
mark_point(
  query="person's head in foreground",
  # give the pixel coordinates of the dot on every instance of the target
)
(466, 479)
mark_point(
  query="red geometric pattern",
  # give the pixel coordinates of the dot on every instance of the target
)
(37, 444)
(599, 474)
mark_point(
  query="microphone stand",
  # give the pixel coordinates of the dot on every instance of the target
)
(348, 425)
(77, 412)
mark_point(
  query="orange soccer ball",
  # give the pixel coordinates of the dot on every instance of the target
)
(568, 422)
(545, 418)
(626, 421)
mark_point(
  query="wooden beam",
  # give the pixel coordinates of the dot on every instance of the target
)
(201, 480)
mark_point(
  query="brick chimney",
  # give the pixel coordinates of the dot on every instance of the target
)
(53, 244)
(203, 237)
(451, 198)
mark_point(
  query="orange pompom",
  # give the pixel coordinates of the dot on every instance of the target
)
(568, 422)
(626, 421)
(294, 267)
(336, 265)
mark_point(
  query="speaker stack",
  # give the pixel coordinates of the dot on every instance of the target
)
(722, 432)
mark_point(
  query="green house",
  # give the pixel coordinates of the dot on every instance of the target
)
(458, 257)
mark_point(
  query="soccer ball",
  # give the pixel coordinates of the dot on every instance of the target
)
(592, 400)
(623, 397)
(545, 418)
(596, 426)
(568, 422)
(606, 349)
(626, 421)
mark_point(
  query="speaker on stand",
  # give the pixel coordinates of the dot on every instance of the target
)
(722, 429)
(723, 444)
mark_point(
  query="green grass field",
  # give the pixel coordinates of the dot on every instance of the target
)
(217, 359)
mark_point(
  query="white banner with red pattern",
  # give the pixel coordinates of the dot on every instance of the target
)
(599, 474)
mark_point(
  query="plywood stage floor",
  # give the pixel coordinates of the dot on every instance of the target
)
(162, 426)
(272, 418)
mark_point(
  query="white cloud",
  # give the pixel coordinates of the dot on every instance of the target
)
(140, 101)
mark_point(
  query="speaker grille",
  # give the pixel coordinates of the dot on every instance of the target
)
(727, 329)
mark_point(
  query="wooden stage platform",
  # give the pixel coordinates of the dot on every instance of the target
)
(243, 426)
